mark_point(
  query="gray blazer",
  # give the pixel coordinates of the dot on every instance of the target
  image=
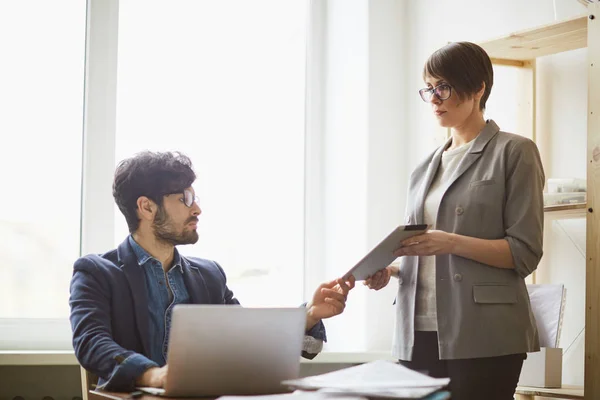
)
(495, 193)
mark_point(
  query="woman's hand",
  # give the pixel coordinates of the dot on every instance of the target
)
(381, 278)
(430, 243)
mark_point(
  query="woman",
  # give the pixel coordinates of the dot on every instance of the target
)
(462, 307)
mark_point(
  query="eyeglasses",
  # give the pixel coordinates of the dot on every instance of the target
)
(442, 92)
(189, 198)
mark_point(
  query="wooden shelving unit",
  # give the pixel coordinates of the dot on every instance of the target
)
(520, 49)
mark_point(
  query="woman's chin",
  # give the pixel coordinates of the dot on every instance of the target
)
(444, 123)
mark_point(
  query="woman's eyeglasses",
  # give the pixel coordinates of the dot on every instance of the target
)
(442, 92)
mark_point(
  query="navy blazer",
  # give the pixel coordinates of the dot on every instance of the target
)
(109, 305)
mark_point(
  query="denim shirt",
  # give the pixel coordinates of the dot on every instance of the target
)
(165, 290)
(162, 297)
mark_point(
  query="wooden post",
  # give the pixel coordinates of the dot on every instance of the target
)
(592, 307)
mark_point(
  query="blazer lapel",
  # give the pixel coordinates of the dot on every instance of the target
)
(137, 283)
(489, 131)
(195, 283)
(429, 175)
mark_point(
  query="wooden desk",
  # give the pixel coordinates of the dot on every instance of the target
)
(102, 395)
(566, 392)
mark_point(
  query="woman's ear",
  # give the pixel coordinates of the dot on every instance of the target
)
(480, 92)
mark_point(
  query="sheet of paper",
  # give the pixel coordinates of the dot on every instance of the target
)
(376, 375)
(151, 390)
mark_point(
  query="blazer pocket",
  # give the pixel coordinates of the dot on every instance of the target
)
(484, 182)
(494, 294)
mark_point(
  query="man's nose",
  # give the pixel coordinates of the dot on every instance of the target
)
(196, 210)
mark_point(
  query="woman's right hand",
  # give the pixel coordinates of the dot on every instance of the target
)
(381, 278)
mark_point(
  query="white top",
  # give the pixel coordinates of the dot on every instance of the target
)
(425, 303)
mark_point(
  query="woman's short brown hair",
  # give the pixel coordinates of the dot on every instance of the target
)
(464, 66)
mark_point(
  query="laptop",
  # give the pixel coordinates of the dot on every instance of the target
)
(217, 350)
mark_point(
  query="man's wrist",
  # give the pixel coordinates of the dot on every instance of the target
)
(311, 320)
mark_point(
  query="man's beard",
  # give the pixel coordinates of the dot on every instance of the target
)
(164, 232)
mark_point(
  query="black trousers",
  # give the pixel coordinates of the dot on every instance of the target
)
(490, 378)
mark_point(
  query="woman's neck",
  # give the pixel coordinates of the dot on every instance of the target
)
(468, 131)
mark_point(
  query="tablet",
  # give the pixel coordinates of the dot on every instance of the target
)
(383, 254)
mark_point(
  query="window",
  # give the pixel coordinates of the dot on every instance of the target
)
(41, 111)
(224, 82)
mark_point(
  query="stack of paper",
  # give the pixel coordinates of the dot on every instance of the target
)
(547, 304)
(374, 379)
(319, 395)
(297, 395)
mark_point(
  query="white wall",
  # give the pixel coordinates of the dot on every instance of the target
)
(562, 101)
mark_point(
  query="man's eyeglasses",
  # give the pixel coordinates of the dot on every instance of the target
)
(442, 92)
(189, 198)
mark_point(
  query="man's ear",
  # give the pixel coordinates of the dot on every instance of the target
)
(146, 208)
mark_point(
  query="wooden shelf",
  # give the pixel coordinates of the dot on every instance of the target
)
(566, 392)
(548, 39)
(565, 211)
(580, 207)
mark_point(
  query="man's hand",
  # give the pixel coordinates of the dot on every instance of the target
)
(329, 300)
(381, 278)
(153, 377)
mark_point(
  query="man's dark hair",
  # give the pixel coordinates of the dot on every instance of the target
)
(153, 175)
(464, 66)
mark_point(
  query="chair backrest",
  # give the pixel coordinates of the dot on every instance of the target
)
(88, 382)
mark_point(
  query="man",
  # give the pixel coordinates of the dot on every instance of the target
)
(121, 301)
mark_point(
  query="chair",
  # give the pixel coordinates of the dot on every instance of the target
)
(88, 382)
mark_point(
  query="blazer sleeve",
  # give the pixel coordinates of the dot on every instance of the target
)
(94, 346)
(524, 208)
(228, 297)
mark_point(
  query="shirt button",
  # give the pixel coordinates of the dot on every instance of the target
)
(457, 277)
(459, 210)
(400, 280)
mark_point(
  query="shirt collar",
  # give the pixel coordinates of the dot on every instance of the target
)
(143, 256)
